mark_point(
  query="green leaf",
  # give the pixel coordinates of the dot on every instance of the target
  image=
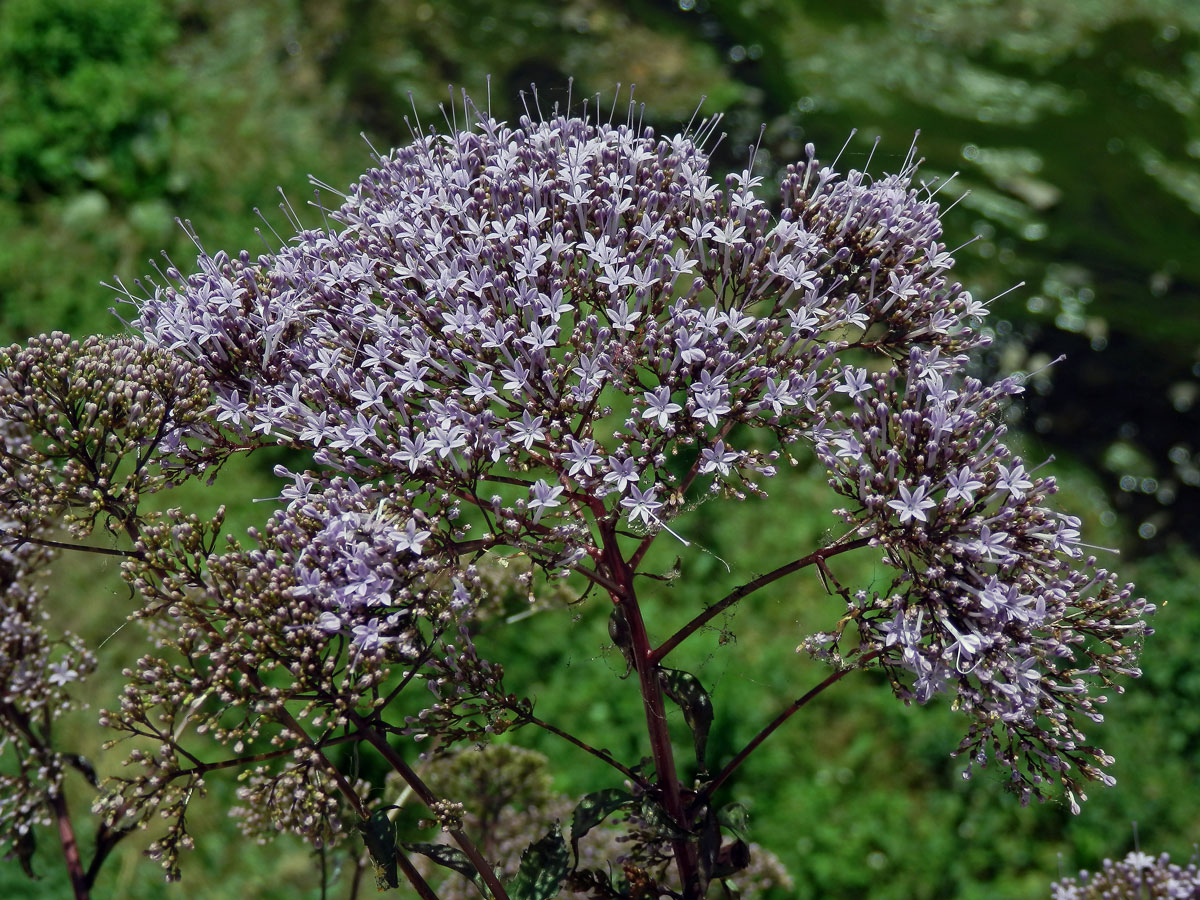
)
(618, 630)
(732, 859)
(593, 809)
(24, 846)
(451, 858)
(543, 868)
(734, 817)
(686, 690)
(379, 834)
(658, 822)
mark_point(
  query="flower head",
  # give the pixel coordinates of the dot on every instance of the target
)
(495, 314)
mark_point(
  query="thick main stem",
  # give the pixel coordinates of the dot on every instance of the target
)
(654, 705)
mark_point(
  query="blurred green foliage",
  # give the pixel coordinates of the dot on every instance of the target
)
(1076, 131)
(82, 97)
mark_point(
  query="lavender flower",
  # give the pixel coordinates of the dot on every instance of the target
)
(1139, 876)
(998, 608)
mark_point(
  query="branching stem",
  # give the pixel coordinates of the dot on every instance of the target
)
(654, 705)
(749, 588)
(794, 707)
(70, 847)
(422, 790)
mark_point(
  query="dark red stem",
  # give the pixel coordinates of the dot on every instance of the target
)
(655, 707)
(430, 799)
(793, 708)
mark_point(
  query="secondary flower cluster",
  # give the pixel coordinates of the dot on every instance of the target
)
(995, 600)
(1139, 876)
(101, 419)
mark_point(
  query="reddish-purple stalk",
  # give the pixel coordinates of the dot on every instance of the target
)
(414, 877)
(766, 732)
(602, 755)
(646, 659)
(655, 707)
(347, 790)
(70, 848)
(817, 556)
(430, 799)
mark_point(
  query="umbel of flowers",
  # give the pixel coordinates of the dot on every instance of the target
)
(543, 342)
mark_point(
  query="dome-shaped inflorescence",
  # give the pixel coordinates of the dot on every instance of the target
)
(529, 337)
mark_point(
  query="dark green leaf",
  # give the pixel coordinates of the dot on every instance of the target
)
(734, 817)
(543, 868)
(732, 859)
(687, 691)
(618, 630)
(710, 847)
(594, 883)
(451, 858)
(24, 847)
(658, 822)
(379, 834)
(592, 810)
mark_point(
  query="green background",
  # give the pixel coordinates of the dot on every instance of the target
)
(1074, 131)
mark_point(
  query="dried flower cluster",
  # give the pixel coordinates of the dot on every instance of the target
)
(542, 343)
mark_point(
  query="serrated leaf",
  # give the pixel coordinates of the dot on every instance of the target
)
(689, 694)
(451, 858)
(594, 809)
(544, 865)
(379, 834)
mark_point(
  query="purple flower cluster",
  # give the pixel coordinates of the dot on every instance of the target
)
(507, 336)
(994, 600)
(1139, 876)
(554, 312)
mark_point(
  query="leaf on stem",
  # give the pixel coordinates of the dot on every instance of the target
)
(452, 858)
(659, 822)
(379, 834)
(544, 865)
(735, 817)
(24, 847)
(593, 809)
(689, 694)
(618, 630)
